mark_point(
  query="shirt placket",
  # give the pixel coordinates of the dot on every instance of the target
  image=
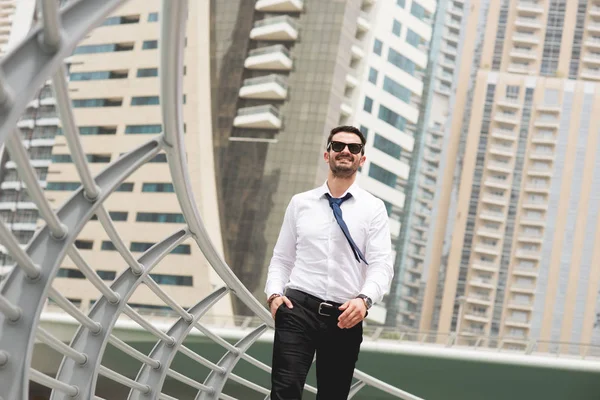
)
(330, 256)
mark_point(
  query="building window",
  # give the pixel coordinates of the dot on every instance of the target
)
(413, 38)
(182, 249)
(178, 280)
(70, 273)
(130, 19)
(114, 215)
(160, 217)
(147, 72)
(145, 101)
(150, 44)
(125, 187)
(158, 188)
(84, 244)
(84, 103)
(382, 175)
(396, 27)
(61, 158)
(364, 130)
(396, 89)
(97, 130)
(143, 129)
(107, 275)
(109, 246)
(67, 186)
(419, 11)
(159, 158)
(373, 76)
(368, 106)
(512, 92)
(387, 115)
(144, 246)
(153, 17)
(98, 158)
(103, 48)
(387, 146)
(377, 47)
(97, 75)
(402, 62)
(401, 3)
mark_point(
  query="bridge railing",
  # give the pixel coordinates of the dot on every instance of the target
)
(29, 285)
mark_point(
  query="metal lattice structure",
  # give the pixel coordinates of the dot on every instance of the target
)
(23, 294)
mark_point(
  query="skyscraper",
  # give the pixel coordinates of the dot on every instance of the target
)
(113, 83)
(514, 236)
(286, 72)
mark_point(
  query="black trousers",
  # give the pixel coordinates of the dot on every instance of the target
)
(299, 333)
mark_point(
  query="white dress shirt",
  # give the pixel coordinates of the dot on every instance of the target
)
(313, 255)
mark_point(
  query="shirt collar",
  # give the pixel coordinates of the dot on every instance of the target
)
(324, 189)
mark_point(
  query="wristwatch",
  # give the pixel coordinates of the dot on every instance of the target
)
(366, 299)
(271, 298)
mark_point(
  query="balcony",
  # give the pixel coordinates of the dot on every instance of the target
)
(521, 323)
(499, 167)
(537, 187)
(345, 109)
(481, 266)
(530, 23)
(487, 249)
(477, 298)
(279, 5)
(275, 57)
(594, 11)
(351, 81)
(270, 87)
(529, 8)
(548, 108)
(510, 103)
(520, 304)
(543, 139)
(521, 69)
(523, 54)
(504, 135)
(282, 28)
(498, 183)
(507, 118)
(495, 200)
(528, 254)
(480, 282)
(259, 117)
(525, 39)
(449, 49)
(545, 155)
(356, 52)
(593, 74)
(592, 58)
(362, 23)
(452, 37)
(536, 205)
(522, 271)
(547, 123)
(593, 27)
(476, 316)
(592, 42)
(492, 216)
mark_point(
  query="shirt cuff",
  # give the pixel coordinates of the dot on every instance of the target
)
(371, 293)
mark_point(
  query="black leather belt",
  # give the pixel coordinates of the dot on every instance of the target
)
(319, 306)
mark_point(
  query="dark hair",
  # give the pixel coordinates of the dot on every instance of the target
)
(349, 129)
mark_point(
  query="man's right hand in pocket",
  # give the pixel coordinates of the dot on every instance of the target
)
(277, 301)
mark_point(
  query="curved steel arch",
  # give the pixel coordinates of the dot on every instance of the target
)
(28, 286)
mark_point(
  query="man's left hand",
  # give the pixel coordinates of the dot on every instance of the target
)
(354, 311)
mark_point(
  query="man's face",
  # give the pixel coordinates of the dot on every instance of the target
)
(344, 164)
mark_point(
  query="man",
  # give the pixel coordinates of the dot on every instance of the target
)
(332, 261)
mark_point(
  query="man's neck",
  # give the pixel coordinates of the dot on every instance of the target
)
(339, 186)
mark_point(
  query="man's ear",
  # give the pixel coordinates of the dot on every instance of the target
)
(326, 156)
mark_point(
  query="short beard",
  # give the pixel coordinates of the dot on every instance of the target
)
(343, 172)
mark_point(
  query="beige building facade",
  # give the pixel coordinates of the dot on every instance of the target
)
(114, 86)
(514, 235)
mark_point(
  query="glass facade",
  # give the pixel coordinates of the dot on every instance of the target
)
(257, 177)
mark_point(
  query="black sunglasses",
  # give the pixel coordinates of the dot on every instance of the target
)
(354, 148)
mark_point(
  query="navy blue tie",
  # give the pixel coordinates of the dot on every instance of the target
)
(335, 204)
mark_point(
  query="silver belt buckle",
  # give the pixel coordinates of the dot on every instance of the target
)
(324, 303)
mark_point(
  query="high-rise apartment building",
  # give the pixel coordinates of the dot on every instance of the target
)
(114, 86)
(286, 72)
(513, 235)
(388, 104)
